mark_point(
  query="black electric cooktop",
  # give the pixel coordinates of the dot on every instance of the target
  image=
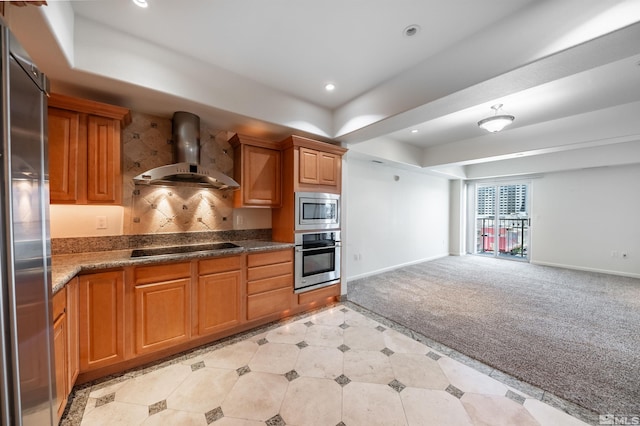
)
(159, 251)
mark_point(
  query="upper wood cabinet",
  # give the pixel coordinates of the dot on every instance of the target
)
(257, 168)
(319, 168)
(85, 151)
(312, 165)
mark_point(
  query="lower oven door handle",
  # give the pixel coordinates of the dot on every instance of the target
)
(299, 250)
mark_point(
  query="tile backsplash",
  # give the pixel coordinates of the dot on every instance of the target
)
(151, 209)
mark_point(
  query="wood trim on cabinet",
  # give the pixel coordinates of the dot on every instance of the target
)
(161, 272)
(219, 264)
(90, 107)
(269, 257)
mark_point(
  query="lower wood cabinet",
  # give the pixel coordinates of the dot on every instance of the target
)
(269, 283)
(60, 348)
(219, 294)
(101, 319)
(142, 313)
(162, 306)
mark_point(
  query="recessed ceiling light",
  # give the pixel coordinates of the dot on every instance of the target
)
(411, 30)
(329, 87)
(414, 131)
(141, 3)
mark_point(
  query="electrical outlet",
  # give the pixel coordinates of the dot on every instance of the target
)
(101, 222)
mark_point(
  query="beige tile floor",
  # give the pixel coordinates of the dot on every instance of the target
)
(334, 367)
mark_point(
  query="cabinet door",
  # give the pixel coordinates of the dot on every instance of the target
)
(104, 181)
(308, 166)
(101, 319)
(60, 354)
(261, 176)
(65, 155)
(328, 169)
(219, 301)
(72, 312)
(162, 314)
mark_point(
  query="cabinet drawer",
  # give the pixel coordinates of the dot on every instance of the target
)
(319, 294)
(158, 273)
(268, 284)
(59, 303)
(270, 257)
(222, 264)
(270, 302)
(269, 271)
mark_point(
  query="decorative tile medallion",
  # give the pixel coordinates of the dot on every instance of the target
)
(387, 351)
(344, 326)
(380, 328)
(454, 391)
(243, 370)
(262, 341)
(396, 385)
(105, 399)
(157, 407)
(342, 380)
(302, 344)
(291, 375)
(197, 366)
(275, 421)
(213, 415)
(308, 323)
(434, 356)
(344, 347)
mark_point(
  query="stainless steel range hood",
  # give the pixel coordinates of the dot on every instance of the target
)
(186, 170)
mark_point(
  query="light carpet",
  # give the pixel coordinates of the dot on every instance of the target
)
(572, 333)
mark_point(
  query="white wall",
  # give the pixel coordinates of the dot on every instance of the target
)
(390, 223)
(580, 217)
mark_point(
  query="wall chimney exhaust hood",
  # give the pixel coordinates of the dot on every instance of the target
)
(186, 171)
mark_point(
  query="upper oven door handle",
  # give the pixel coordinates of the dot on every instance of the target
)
(318, 248)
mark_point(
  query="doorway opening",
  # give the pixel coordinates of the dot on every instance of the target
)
(502, 221)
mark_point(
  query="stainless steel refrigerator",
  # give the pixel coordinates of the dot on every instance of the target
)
(27, 377)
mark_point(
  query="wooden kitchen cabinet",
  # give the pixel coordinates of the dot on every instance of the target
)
(318, 168)
(85, 151)
(102, 323)
(60, 349)
(73, 349)
(269, 283)
(219, 294)
(258, 170)
(162, 308)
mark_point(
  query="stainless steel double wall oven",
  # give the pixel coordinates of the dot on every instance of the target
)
(317, 240)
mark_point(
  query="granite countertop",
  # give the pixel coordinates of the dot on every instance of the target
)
(66, 266)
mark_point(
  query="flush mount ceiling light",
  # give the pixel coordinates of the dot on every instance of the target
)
(141, 3)
(329, 87)
(496, 122)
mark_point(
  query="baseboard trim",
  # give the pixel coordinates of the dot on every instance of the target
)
(394, 267)
(582, 268)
